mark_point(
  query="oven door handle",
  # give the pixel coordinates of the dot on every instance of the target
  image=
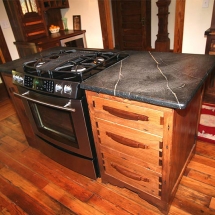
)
(44, 103)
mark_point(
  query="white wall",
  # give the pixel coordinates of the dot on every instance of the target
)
(90, 20)
(8, 33)
(197, 21)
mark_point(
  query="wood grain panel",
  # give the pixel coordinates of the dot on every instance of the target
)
(179, 25)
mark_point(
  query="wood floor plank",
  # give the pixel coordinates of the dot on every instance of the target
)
(201, 168)
(8, 207)
(20, 198)
(70, 201)
(8, 131)
(176, 211)
(38, 195)
(5, 102)
(193, 196)
(191, 207)
(13, 143)
(206, 149)
(22, 170)
(198, 186)
(12, 124)
(44, 169)
(204, 160)
(6, 111)
(202, 177)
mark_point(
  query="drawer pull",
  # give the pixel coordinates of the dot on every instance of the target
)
(128, 173)
(126, 141)
(125, 114)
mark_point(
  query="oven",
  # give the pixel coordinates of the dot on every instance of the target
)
(62, 124)
(57, 108)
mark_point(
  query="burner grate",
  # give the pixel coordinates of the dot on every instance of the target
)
(74, 65)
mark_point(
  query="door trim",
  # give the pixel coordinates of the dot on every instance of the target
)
(106, 24)
(4, 52)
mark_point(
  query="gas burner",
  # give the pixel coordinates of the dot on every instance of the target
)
(74, 65)
(78, 68)
(37, 65)
(99, 60)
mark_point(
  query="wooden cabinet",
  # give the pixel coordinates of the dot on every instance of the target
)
(143, 147)
(30, 21)
(40, 44)
(17, 102)
(48, 4)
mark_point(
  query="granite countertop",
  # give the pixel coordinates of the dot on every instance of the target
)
(164, 79)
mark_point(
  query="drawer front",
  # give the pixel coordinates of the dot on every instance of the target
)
(135, 144)
(132, 174)
(141, 118)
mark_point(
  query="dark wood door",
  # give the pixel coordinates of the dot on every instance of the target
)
(132, 24)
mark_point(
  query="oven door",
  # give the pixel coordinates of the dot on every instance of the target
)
(59, 121)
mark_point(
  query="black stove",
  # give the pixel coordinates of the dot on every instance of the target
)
(60, 73)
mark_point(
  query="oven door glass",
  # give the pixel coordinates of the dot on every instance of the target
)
(54, 123)
(59, 121)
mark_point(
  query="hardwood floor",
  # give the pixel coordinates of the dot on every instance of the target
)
(31, 183)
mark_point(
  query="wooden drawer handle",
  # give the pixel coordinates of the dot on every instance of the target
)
(125, 114)
(128, 173)
(126, 141)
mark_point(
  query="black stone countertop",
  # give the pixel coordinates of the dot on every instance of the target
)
(164, 79)
(173, 84)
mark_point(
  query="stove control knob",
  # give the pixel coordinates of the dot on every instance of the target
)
(15, 77)
(18, 79)
(58, 88)
(68, 89)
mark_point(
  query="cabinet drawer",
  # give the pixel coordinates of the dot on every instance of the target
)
(132, 174)
(141, 118)
(134, 143)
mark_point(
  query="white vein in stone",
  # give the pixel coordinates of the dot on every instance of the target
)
(167, 81)
(119, 78)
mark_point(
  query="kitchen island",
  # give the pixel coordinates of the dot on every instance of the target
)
(144, 113)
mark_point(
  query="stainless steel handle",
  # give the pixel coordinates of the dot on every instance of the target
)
(44, 103)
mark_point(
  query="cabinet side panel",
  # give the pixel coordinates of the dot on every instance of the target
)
(19, 107)
(184, 139)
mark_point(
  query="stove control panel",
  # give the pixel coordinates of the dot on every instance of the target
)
(47, 85)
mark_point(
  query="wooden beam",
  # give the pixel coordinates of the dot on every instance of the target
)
(106, 23)
(179, 25)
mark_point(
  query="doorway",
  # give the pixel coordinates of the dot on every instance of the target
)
(106, 24)
(132, 24)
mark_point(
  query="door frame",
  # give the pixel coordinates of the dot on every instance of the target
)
(107, 25)
(4, 52)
